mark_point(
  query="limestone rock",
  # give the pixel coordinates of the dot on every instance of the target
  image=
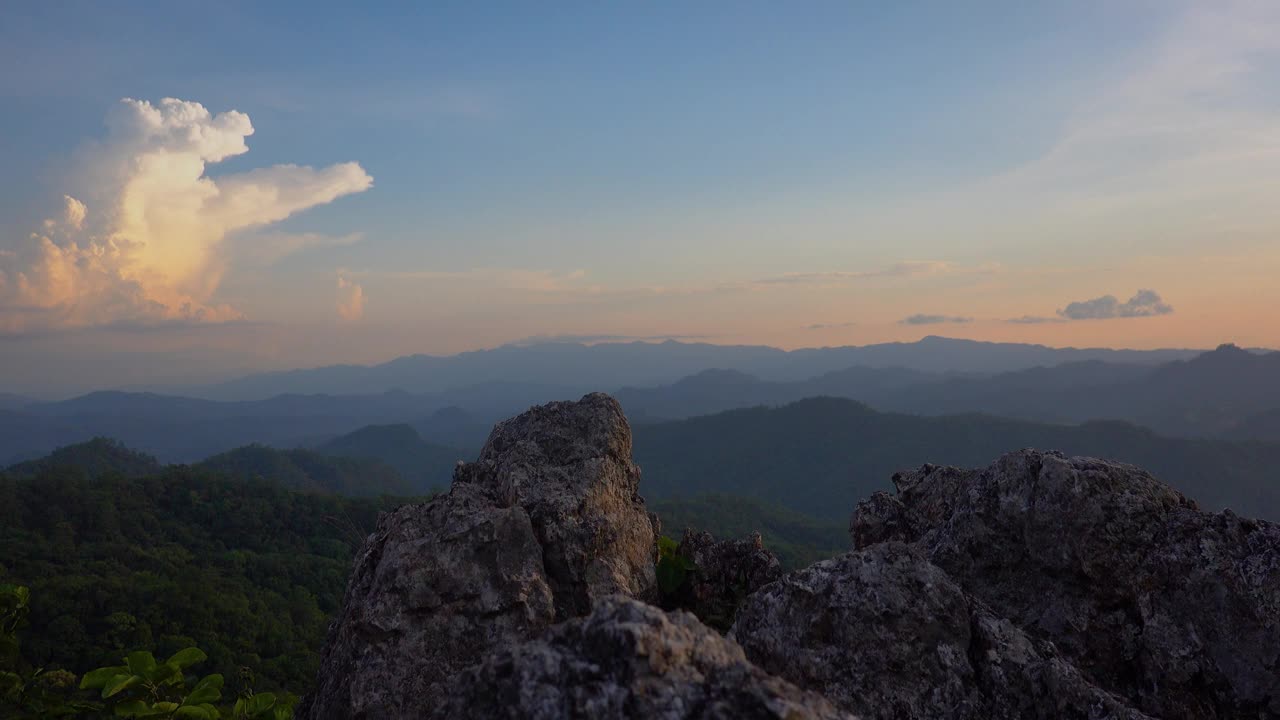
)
(1176, 609)
(544, 524)
(886, 634)
(569, 466)
(628, 660)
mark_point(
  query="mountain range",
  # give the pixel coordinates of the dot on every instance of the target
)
(580, 368)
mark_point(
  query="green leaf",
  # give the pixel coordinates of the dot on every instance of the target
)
(187, 657)
(205, 691)
(140, 662)
(135, 708)
(119, 684)
(667, 546)
(95, 679)
(258, 704)
(200, 712)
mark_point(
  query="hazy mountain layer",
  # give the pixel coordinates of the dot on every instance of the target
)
(820, 456)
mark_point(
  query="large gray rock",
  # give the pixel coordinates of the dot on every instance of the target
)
(628, 660)
(546, 523)
(886, 634)
(1176, 609)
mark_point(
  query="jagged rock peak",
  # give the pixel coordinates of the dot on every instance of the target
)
(545, 524)
(628, 660)
(1175, 609)
(568, 465)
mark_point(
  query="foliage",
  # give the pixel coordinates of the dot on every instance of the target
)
(95, 458)
(247, 571)
(143, 688)
(673, 568)
(27, 692)
(798, 540)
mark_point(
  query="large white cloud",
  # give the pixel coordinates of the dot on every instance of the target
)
(150, 248)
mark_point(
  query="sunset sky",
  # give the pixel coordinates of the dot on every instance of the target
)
(194, 190)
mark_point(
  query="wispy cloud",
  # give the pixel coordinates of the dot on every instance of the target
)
(910, 268)
(829, 326)
(269, 248)
(925, 319)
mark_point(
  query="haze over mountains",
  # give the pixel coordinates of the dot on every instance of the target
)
(613, 365)
(1227, 392)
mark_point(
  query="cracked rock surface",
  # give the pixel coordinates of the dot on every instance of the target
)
(1173, 608)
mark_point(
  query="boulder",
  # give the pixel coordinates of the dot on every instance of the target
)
(884, 633)
(627, 660)
(1175, 609)
(725, 573)
(542, 526)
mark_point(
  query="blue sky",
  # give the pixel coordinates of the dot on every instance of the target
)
(739, 171)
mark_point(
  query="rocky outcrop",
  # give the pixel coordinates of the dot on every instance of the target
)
(628, 660)
(725, 573)
(543, 525)
(1041, 587)
(884, 633)
(1175, 609)
(568, 465)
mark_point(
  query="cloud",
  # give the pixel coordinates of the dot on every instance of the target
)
(829, 326)
(151, 246)
(902, 269)
(266, 249)
(592, 339)
(1146, 303)
(350, 300)
(923, 319)
(1034, 320)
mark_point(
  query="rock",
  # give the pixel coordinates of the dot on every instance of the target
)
(1175, 609)
(726, 572)
(544, 524)
(627, 660)
(886, 634)
(569, 466)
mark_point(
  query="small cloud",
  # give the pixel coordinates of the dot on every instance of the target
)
(923, 319)
(589, 339)
(351, 300)
(1034, 320)
(1146, 303)
(830, 326)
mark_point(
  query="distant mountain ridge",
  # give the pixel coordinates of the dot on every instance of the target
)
(613, 365)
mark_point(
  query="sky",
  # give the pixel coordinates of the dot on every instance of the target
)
(191, 191)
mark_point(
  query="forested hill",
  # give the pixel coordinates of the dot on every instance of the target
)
(246, 570)
(95, 458)
(821, 456)
(296, 469)
(311, 471)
